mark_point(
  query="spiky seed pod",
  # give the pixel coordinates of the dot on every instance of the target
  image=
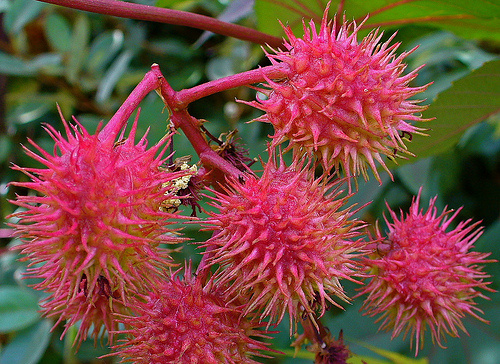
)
(345, 101)
(92, 232)
(283, 242)
(425, 275)
(185, 322)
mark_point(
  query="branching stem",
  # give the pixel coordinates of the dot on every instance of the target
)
(189, 125)
(154, 80)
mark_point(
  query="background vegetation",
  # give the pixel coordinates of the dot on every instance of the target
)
(88, 64)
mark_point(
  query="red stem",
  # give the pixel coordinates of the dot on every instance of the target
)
(189, 125)
(169, 16)
(154, 80)
(119, 119)
(185, 97)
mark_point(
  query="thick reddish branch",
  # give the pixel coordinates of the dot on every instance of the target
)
(169, 16)
(149, 83)
(185, 97)
(189, 125)
(178, 102)
(154, 80)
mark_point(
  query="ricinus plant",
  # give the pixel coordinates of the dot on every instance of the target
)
(102, 227)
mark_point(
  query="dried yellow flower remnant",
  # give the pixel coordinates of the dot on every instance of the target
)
(178, 184)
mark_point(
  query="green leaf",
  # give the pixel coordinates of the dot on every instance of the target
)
(30, 110)
(415, 175)
(103, 49)
(177, 4)
(220, 67)
(112, 76)
(173, 47)
(78, 52)
(469, 101)
(4, 5)
(490, 242)
(14, 66)
(48, 63)
(395, 358)
(362, 359)
(18, 308)
(58, 31)
(29, 345)
(135, 38)
(478, 21)
(5, 148)
(20, 13)
(269, 14)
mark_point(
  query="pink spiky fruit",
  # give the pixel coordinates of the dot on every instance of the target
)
(186, 322)
(425, 276)
(344, 101)
(283, 242)
(93, 226)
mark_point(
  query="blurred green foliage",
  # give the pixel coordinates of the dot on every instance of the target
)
(88, 64)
